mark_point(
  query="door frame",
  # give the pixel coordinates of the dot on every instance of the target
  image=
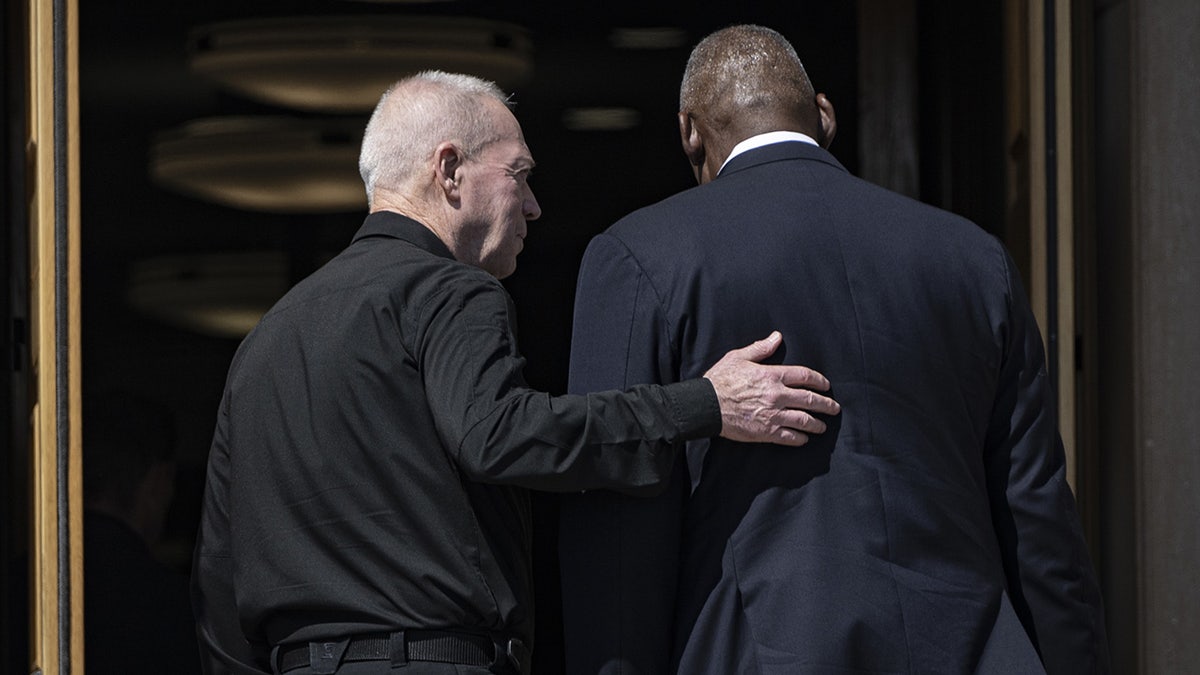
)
(53, 211)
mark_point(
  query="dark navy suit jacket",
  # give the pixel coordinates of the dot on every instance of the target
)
(929, 530)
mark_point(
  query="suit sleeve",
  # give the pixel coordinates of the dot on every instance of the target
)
(1050, 576)
(619, 554)
(223, 646)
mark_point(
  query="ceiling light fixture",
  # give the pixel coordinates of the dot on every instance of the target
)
(648, 38)
(267, 164)
(601, 119)
(219, 295)
(343, 63)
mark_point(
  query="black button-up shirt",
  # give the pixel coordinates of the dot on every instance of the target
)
(373, 449)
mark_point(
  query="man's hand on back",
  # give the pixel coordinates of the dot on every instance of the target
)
(768, 404)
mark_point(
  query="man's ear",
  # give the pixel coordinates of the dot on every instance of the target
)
(447, 168)
(693, 142)
(827, 124)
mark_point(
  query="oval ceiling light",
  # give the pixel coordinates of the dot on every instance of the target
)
(219, 295)
(344, 63)
(270, 164)
(663, 37)
(614, 118)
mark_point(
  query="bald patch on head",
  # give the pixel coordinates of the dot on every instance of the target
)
(746, 73)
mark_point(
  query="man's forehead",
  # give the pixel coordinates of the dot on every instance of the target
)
(510, 150)
(509, 146)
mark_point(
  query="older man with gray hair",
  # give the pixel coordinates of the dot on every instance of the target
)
(366, 505)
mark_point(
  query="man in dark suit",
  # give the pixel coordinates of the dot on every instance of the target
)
(931, 529)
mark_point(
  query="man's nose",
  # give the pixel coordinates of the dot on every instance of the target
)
(530, 206)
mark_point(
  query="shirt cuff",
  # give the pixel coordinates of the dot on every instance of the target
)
(695, 408)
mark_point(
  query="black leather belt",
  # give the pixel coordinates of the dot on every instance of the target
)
(467, 649)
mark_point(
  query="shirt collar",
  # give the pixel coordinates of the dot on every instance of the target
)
(766, 139)
(395, 225)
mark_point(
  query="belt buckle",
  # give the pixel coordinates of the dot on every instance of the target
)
(512, 656)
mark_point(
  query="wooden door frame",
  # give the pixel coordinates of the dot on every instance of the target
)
(52, 174)
(1051, 220)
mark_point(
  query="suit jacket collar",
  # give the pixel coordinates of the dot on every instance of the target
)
(396, 226)
(778, 152)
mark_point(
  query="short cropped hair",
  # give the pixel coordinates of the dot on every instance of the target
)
(744, 69)
(415, 115)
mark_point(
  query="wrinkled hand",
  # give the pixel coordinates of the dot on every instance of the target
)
(768, 404)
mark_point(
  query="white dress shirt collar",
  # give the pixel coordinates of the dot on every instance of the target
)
(766, 139)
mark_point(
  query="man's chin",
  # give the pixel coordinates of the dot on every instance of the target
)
(505, 271)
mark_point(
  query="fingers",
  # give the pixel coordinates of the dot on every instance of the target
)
(793, 427)
(771, 404)
(799, 421)
(759, 349)
(790, 437)
(804, 399)
(799, 376)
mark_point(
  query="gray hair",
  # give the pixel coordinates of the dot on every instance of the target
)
(414, 116)
(744, 69)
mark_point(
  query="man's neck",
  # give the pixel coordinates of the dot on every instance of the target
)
(409, 208)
